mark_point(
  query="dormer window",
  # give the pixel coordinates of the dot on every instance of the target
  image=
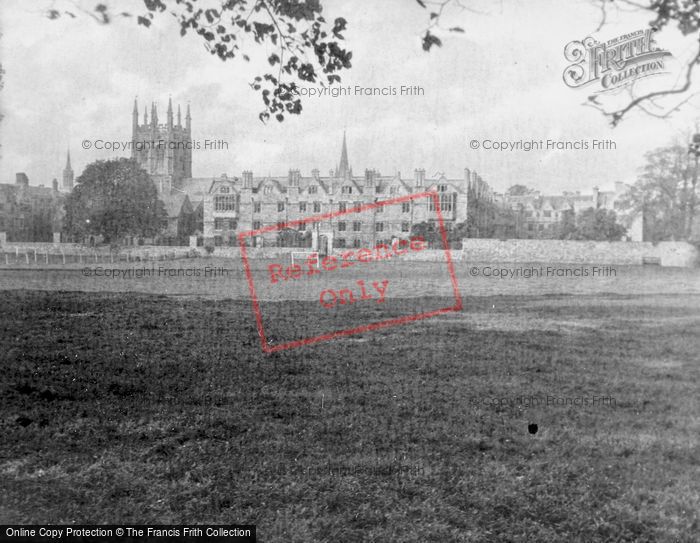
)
(347, 189)
(267, 189)
(313, 189)
(224, 190)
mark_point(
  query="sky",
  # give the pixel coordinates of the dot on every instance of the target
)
(72, 80)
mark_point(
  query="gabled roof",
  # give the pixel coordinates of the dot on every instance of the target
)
(176, 203)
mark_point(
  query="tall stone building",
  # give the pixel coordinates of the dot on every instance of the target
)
(164, 150)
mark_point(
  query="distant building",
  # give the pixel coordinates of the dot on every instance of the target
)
(230, 204)
(251, 202)
(30, 213)
(537, 216)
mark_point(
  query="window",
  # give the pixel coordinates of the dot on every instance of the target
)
(406, 207)
(547, 214)
(340, 242)
(317, 207)
(218, 224)
(302, 206)
(357, 226)
(280, 206)
(530, 227)
(347, 189)
(225, 203)
(357, 243)
(393, 190)
(341, 227)
(405, 227)
(256, 207)
(442, 188)
(379, 227)
(540, 227)
(448, 201)
(302, 227)
(313, 189)
(342, 206)
(379, 209)
(224, 190)
(256, 225)
(267, 190)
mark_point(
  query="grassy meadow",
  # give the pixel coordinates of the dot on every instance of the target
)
(144, 408)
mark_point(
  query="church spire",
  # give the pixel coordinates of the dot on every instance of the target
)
(68, 174)
(344, 168)
(135, 119)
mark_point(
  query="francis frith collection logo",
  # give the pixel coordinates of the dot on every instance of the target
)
(615, 63)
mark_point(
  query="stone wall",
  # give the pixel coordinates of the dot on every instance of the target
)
(666, 253)
(142, 251)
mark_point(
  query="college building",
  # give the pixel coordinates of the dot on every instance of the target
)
(232, 204)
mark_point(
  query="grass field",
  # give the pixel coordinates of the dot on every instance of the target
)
(130, 407)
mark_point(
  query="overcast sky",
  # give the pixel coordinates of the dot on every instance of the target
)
(72, 79)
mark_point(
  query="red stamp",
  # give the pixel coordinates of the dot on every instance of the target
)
(317, 272)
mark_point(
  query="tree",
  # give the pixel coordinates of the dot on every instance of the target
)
(429, 232)
(518, 190)
(685, 16)
(566, 227)
(289, 237)
(597, 225)
(665, 194)
(114, 199)
(307, 47)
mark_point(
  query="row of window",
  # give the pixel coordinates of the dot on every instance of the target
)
(220, 224)
(448, 202)
(222, 203)
(547, 214)
(225, 224)
(313, 189)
